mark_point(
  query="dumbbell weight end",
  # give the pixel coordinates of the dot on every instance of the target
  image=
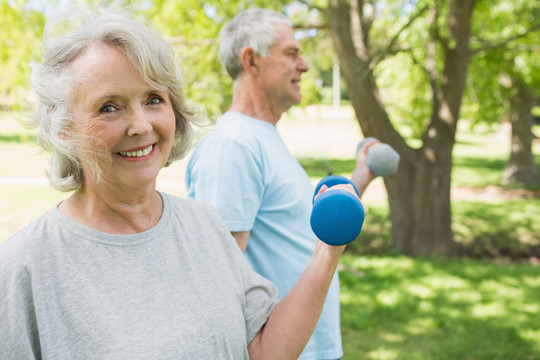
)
(337, 216)
(381, 159)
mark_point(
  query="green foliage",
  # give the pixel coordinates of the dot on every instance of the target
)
(505, 46)
(20, 32)
(406, 93)
(192, 27)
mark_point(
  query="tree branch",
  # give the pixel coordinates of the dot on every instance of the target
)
(311, 5)
(490, 46)
(316, 26)
(389, 49)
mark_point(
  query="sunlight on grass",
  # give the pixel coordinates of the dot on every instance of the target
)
(481, 311)
(388, 298)
(530, 281)
(382, 354)
(420, 291)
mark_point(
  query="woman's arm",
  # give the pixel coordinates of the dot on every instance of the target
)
(291, 323)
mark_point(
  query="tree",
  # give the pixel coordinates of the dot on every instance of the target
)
(521, 168)
(435, 37)
(419, 194)
(505, 80)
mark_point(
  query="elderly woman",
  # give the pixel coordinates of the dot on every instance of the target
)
(119, 270)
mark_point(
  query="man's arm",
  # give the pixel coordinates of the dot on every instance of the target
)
(362, 176)
(241, 238)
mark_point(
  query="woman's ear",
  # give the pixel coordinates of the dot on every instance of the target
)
(249, 60)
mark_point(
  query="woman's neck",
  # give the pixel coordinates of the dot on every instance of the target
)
(114, 212)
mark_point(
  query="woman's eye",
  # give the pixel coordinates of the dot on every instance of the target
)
(107, 109)
(155, 100)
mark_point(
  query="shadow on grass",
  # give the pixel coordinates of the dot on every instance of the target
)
(506, 228)
(479, 163)
(482, 171)
(376, 235)
(402, 308)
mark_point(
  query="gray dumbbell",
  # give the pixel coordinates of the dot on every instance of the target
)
(381, 159)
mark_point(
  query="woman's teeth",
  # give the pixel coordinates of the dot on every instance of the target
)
(139, 153)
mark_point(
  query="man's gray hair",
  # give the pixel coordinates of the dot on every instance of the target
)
(54, 85)
(251, 28)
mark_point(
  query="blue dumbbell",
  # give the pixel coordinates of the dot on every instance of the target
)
(337, 216)
(381, 159)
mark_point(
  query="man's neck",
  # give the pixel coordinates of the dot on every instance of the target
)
(257, 113)
(250, 102)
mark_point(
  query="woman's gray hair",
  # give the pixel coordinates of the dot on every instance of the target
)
(251, 28)
(54, 85)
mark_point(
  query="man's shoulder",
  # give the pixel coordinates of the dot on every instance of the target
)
(236, 130)
(235, 125)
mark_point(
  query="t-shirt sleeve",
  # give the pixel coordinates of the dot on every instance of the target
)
(229, 176)
(18, 329)
(261, 296)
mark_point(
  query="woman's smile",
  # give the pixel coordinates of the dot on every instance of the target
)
(137, 153)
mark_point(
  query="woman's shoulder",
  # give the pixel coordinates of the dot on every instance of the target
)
(195, 215)
(24, 244)
(177, 202)
(190, 208)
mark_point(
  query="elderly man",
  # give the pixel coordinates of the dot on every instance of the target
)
(245, 170)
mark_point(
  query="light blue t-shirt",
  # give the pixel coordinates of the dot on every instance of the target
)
(244, 169)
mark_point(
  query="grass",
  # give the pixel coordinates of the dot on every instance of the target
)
(393, 307)
(403, 308)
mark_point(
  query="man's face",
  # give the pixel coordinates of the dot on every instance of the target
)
(280, 72)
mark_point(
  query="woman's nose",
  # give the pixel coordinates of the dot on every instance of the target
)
(140, 123)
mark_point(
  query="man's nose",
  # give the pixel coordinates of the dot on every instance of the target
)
(302, 65)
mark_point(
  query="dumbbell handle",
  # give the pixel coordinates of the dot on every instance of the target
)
(337, 216)
(381, 159)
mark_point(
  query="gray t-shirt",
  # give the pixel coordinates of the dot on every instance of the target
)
(181, 290)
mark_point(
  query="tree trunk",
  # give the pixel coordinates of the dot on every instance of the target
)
(419, 193)
(521, 168)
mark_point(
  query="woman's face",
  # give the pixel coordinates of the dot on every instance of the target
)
(131, 123)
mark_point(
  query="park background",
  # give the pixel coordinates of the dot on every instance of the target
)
(402, 298)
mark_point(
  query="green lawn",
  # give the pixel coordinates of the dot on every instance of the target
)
(402, 308)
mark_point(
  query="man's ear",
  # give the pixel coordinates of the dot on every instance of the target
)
(249, 60)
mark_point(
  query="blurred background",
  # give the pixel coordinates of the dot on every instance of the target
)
(447, 265)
